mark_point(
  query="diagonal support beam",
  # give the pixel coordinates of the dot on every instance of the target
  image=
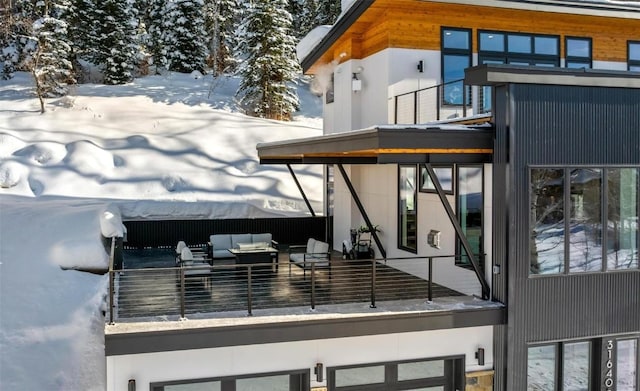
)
(456, 226)
(306, 200)
(363, 212)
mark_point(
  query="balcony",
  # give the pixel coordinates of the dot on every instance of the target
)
(451, 102)
(150, 287)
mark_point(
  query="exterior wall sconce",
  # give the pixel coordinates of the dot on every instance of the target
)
(480, 356)
(433, 238)
(420, 66)
(132, 385)
(318, 371)
(356, 84)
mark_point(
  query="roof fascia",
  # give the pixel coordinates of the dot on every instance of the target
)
(593, 8)
(338, 29)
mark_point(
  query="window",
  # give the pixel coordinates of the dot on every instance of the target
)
(569, 208)
(282, 381)
(456, 57)
(518, 49)
(634, 56)
(407, 208)
(445, 177)
(442, 374)
(469, 205)
(609, 363)
(578, 52)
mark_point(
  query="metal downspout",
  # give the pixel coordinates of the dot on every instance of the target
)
(374, 234)
(458, 229)
(306, 200)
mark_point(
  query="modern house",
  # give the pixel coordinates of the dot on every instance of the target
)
(496, 146)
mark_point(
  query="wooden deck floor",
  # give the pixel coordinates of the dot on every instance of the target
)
(149, 286)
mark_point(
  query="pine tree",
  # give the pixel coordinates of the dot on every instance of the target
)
(114, 45)
(154, 23)
(221, 18)
(183, 35)
(51, 68)
(326, 12)
(81, 20)
(270, 69)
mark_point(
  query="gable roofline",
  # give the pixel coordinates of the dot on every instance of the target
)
(587, 7)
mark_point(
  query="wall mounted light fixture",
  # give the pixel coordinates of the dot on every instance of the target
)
(420, 66)
(132, 385)
(318, 371)
(480, 356)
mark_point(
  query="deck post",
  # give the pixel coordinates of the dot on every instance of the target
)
(249, 292)
(313, 285)
(112, 277)
(182, 293)
(373, 283)
(430, 296)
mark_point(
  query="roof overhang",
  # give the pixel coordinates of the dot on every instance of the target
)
(496, 74)
(392, 144)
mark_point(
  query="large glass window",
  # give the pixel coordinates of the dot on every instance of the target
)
(576, 366)
(283, 381)
(584, 219)
(470, 210)
(627, 364)
(456, 57)
(407, 208)
(622, 218)
(419, 375)
(634, 56)
(518, 48)
(547, 221)
(541, 368)
(578, 52)
(585, 224)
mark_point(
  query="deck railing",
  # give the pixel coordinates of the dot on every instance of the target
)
(444, 101)
(207, 290)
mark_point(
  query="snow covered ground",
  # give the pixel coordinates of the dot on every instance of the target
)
(170, 146)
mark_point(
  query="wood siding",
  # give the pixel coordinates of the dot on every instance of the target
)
(416, 25)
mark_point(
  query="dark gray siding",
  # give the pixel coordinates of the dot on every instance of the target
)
(564, 125)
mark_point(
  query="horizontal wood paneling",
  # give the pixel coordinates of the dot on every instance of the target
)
(416, 24)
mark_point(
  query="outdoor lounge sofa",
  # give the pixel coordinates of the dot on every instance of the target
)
(315, 253)
(219, 244)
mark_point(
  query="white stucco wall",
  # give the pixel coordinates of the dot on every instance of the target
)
(254, 359)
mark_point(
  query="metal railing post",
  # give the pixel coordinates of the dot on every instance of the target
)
(313, 285)
(373, 284)
(112, 277)
(430, 294)
(464, 100)
(111, 294)
(438, 103)
(395, 111)
(249, 292)
(182, 293)
(415, 107)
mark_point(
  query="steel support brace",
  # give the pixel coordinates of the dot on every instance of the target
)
(356, 199)
(306, 200)
(459, 232)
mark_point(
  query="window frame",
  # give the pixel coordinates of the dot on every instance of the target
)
(604, 204)
(632, 64)
(458, 244)
(444, 51)
(228, 382)
(568, 58)
(401, 246)
(508, 57)
(428, 187)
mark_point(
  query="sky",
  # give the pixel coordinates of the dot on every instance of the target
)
(162, 147)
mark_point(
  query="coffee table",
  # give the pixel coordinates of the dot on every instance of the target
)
(255, 255)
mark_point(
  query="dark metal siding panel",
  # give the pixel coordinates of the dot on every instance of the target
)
(166, 233)
(564, 125)
(578, 306)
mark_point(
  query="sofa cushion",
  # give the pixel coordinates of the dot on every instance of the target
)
(320, 249)
(239, 238)
(261, 238)
(311, 243)
(220, 241)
